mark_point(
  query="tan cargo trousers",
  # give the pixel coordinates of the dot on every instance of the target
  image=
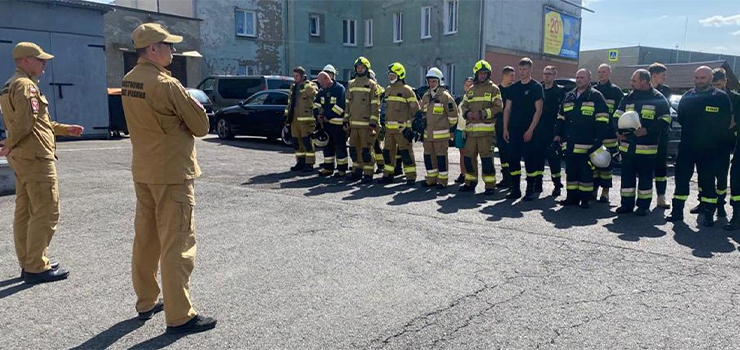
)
(164, 236)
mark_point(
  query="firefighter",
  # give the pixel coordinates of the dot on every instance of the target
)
(460, 130)
(329, 111)
(299, 116)
(377, 146)
(441, 114)
(329, 69)
(719, 81)
(361, 119)
(613, 96)
(507, 78)
(705, 114)
(658, 74)
(481, 103)
(524, 102)
(581, 125)
(639, 148)
(401, 107)
(544, 132)
(31, 152)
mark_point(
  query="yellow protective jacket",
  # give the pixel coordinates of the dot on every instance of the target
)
(441, 114)
(363, 103)
(485, 98)
(302, 107)
(162, 119)
(401, 106)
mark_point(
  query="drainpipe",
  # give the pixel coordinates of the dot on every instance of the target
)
(481, 46)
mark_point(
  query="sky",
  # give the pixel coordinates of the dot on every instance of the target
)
(713, 25)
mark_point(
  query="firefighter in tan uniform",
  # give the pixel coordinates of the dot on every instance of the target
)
(481, 103)
(163, 120)
(361, 120)
(401, 106)
(299, 116)
(440, 111)
(31, 151)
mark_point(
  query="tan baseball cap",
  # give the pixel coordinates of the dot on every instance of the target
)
(152, 33)
(28, 49)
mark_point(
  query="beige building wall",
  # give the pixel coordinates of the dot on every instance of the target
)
(173, 7)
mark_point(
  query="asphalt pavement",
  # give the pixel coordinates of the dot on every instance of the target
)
(288, 261)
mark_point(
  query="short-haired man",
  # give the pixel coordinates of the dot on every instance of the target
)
(508, 75)
(329, 110)
(522, 113)
(639, 147)
(613, 95)
(545, 131)
(658, 74)
(705, 114)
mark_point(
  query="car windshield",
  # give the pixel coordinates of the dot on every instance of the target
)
(279, 83)
(200, 96)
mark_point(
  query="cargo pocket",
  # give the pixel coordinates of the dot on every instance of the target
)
(186, 203)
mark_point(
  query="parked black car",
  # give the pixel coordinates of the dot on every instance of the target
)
(225, 91)
(260, 115)
(201, 97)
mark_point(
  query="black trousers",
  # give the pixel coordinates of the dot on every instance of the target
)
(579, 176)
(723, 169)
(543, 140)
(336, 150)
(661, 165)
(735, 180)
(637, 167)
(503, 149)
(706, 165)
(519, 149)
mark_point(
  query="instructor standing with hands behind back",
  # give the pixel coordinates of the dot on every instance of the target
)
(163, 120)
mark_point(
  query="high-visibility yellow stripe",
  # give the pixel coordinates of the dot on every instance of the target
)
(389, 167)
(305, 119)
(411, 99)
(480, 99)
(661, 179)
(317, 105)
(338, 110)
(471, 177)
(681, 198)
(358, 123)
(395, 99)
(409, 169)
(336, 121)
(735, 198)
(586, 188)
(489, 179)
(515, 173)
(360, 89)
(722, 192)
(709, 200)
(342, 161)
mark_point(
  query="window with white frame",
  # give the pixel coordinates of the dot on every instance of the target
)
(244, 69)
(349, 34)
(398, 27)
(426, 22)
(450, 77)
(314, 25)
(246, 23)
(368, 32)
(450, 13)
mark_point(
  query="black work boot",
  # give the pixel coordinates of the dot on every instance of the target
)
(697, 209)
(734, 223)
(538, 185)
(298, 166)
(196, 325)
(707, 219)
(506, 181)
(460, 179)
(367, 179)
(515, 187)
(468, 187)
(529, 194)
(676, 212)
(570, 199)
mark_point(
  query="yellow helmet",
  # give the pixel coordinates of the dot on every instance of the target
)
(363, 61)
(397, 69)
(481, 65)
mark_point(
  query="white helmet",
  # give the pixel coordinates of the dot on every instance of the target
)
(629, 121)
(330, 69)
(320, 138)
(434, 72)
(600, 158)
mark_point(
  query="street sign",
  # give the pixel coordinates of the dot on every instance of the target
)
(613, 55)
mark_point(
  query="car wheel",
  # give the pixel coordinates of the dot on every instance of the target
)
(223, 129)
(287, 142)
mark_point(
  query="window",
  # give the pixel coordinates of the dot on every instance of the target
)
(349, 34)
(246, 23)
(246, 70)
(277, 99)
(450, 77)
(238, 88)
(398, 27)
(314, 25)
(451, 7)
(207, 85)
(279, 83)
(426, 22)
(368, 32)
(258, 99)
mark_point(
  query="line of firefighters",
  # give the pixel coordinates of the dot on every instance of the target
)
(588, 127)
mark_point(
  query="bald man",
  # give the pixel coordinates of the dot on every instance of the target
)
(705, 114)
(328, 108)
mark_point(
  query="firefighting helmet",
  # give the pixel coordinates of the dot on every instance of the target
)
(363, 61)
(483, 66)
(320, 138)
(435, 73)
(600, 158)
(397, 69)
(629, 122)
(330, 69)
(285, 135)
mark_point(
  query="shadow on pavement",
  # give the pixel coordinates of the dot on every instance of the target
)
(13, 289)
(373, 190)
(270, 178)
(632, 228)
(417, 194)
(564, 217)
(510, 208)
(159, 342)
(253, 143)
(460, 201)
(706, 241)
(111, 335)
